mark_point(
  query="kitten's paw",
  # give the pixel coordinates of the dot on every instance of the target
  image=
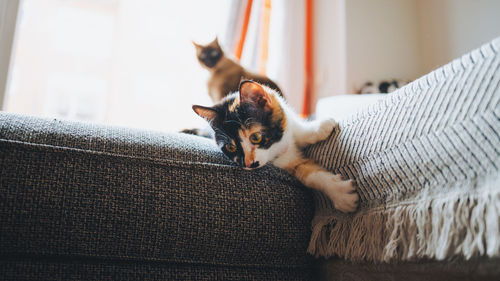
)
(344, 196)
(326, 128)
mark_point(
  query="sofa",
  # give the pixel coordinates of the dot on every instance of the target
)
(89, 202)
(82, 201)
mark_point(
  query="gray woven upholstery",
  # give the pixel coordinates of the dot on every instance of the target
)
(81, 201)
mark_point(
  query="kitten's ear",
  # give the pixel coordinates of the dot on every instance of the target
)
(207, 113)
(216, 41)
(253, 92)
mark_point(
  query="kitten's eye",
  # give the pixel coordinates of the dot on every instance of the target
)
(255, 138)
(230, 147)
(214, 53)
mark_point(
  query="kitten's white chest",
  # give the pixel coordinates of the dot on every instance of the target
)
(286, 151)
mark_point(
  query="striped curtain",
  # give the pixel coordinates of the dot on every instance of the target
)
(275, 38)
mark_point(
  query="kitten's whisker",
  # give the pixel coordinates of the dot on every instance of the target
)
(250, 121)
(222, 134)
(233, 121)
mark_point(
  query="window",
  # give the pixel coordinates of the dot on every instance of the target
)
(122, 62)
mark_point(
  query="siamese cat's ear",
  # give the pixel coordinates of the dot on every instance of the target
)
(216, 41)
(254, 93)
(207, 113)
(196, 45)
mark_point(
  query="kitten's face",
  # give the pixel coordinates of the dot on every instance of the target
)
(247, 126)
(210, 54)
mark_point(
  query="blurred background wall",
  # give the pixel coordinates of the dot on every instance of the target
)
(405, 39)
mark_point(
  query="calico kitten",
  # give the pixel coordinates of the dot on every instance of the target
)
(256, 126)
(225, 74)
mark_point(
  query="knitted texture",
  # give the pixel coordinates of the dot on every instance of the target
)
(426, 162)
(88, 200)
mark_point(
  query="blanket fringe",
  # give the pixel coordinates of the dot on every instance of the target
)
(461, 224)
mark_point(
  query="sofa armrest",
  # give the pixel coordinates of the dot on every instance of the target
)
(85, 191)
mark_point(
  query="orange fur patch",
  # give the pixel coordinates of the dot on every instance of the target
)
(302, 168)
(235, 104)
(244, 134)
(278, 113)
(283, 122)
(250, 157)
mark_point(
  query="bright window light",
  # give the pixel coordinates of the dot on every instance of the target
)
(122, 62)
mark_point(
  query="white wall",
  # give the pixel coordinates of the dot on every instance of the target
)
(8, 15)
(381, 41)
(450, 28)
(406, 39)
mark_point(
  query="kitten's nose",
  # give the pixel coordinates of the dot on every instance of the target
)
(254, 164)
(248, 162)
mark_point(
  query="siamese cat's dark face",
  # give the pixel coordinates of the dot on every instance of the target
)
(247, 125)
(209, 55)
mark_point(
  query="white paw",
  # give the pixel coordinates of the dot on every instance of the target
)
(326, 127)
(343, 194)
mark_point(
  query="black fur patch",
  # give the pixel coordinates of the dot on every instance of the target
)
(228, 123)
(210, 56)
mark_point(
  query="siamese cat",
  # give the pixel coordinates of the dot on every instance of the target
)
(225, 74)
(254, 126)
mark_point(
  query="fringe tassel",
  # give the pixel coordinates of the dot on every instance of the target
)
(465, 224)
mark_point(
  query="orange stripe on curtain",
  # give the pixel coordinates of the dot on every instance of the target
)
(244, 28)
(264, 35)
(308, 59)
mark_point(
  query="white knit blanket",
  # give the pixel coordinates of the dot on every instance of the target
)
(426, 159)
